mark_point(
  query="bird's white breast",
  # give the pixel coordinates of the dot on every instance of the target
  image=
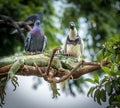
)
(74, 49)
(72, 34)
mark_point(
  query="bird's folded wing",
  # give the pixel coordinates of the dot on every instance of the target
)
(45, 42)
(27, 41)
(82, 47)
(65, 45)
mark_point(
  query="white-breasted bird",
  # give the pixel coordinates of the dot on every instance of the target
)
(74, 44)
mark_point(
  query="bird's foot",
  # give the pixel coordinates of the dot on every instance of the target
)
(67, 54)
(32, 53)
(38, 52)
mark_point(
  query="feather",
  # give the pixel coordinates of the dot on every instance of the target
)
(27, 41)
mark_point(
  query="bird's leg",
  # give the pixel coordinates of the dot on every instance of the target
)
(32, 53)
(68, 54)
(38, 52)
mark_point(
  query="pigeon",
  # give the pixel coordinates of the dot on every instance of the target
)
(35, 40)
(74, 45)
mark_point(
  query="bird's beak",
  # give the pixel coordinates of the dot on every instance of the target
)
(72, 26)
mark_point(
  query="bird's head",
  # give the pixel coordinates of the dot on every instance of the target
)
(72, 25)
(40, 16)
(37, 23)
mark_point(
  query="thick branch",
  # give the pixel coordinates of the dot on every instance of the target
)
(89, 69)
(32, 70)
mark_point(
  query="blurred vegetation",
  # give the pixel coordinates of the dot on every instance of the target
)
(19, 10)
(103, 23)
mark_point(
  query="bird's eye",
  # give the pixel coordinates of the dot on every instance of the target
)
(38, 23)
(71, 24)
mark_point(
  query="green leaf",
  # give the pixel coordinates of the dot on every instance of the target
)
(97, 96)
(91, 91)
(103, 95)
(112, 57)
(115, 85)
(111, 106)
(111, 99)
(116, 69)
(100, 55)
(103, 80)
(107, 70)
(96, 78)
(90, 80)
(112, 67)
(108, 88)
(106, 54)
(118, 97)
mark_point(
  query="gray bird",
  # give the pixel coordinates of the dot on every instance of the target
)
(74, 44)
(35, 40)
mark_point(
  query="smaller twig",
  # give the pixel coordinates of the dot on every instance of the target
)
(39, 70)
(51, 58)
(22, 23)
(28, 27)
(14, 24)
(54, 80)
(91, 63)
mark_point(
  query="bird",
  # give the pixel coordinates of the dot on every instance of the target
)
(35, 40)
(74, 44)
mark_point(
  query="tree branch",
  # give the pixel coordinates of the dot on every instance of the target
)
(27, 70)
(20, 26)
(51, 59)
(9, 21)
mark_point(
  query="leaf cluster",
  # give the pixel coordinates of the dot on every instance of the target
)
(109, 85)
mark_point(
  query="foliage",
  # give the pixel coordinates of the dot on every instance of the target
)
(109, 85)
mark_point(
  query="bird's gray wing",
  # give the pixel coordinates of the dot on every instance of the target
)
(27, 41)
(65, 46)
(44, 43)
(82, 47)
